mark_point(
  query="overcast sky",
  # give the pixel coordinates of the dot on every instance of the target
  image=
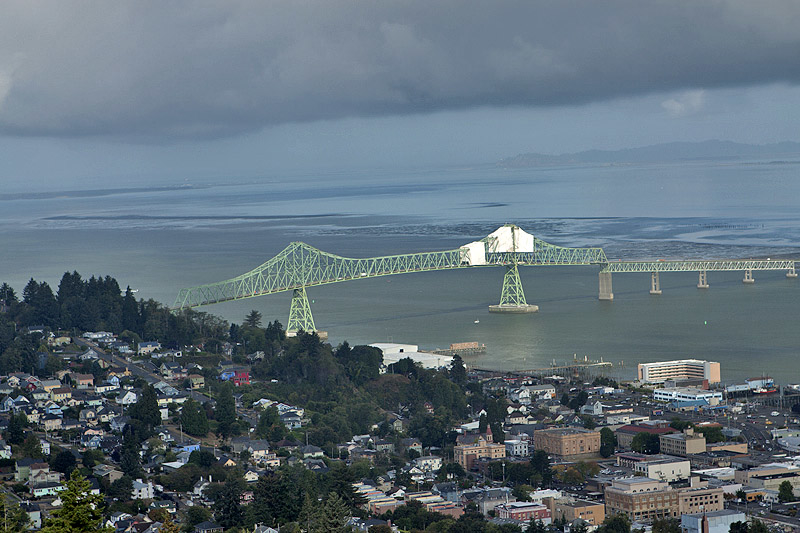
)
(162, 91)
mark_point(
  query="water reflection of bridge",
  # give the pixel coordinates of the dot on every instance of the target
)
(300, 266)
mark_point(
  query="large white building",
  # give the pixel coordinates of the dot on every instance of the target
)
(393, 352)
(683, 369)
(687, 394)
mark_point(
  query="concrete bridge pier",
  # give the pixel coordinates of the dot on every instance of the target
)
(606, 292)
(703, 281)
(748, 276)
(655, 284)
(791, 273)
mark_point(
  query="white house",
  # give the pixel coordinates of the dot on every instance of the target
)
(428, 463)
(129, 398)
(141, 490)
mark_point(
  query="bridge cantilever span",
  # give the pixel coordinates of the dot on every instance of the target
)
(300, 266)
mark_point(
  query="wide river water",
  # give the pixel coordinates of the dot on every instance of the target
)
(160, 239)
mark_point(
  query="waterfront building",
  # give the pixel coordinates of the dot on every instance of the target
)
(393, 352)
(682, 369)
(687, 394)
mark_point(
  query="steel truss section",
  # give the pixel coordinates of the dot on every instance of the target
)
(300, 266)
(700, 265)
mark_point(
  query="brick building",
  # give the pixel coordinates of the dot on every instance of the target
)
(570, 443)
(524, 512)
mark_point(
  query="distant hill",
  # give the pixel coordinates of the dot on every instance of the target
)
(676, 151)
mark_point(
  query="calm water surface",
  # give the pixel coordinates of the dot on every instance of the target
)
(160, 240)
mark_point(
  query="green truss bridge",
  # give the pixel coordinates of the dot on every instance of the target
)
(300, 266)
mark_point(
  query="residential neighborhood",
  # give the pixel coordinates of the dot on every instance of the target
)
(228, 440)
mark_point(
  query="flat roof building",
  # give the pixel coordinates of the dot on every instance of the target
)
(642, 498)
(569, 443)
(571, 509)
(681, 369)
(682, 444)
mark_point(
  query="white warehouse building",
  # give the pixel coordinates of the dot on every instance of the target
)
(687, 394)
(393, 352)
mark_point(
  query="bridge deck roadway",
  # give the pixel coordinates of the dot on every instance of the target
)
(698, 265)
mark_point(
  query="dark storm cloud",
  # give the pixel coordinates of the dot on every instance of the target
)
(194, 69)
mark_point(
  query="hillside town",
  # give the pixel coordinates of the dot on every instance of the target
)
(297, 435)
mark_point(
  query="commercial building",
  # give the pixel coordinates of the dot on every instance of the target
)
(687, 394)
(567, 443)
(682, 369)
(699, 497)
(642, 498)
(571, 509)
(524, 512)
(744, 476)
(682, 444)
(467, 453)
(662, 467)
(711, 522)
(773, 482)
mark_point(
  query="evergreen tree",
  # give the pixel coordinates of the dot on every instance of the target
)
(32, 448)
(227, 506)
(145, 409)
(81, 512)
(483, 423)
(253, 319)
(14, 519)
(267, 421)
(334, 514)
(130, 311)
(64, 462)
(607, 442)
(226, 411)
(15, 434)
(7, 294)
(458, 373)
(193, 418)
